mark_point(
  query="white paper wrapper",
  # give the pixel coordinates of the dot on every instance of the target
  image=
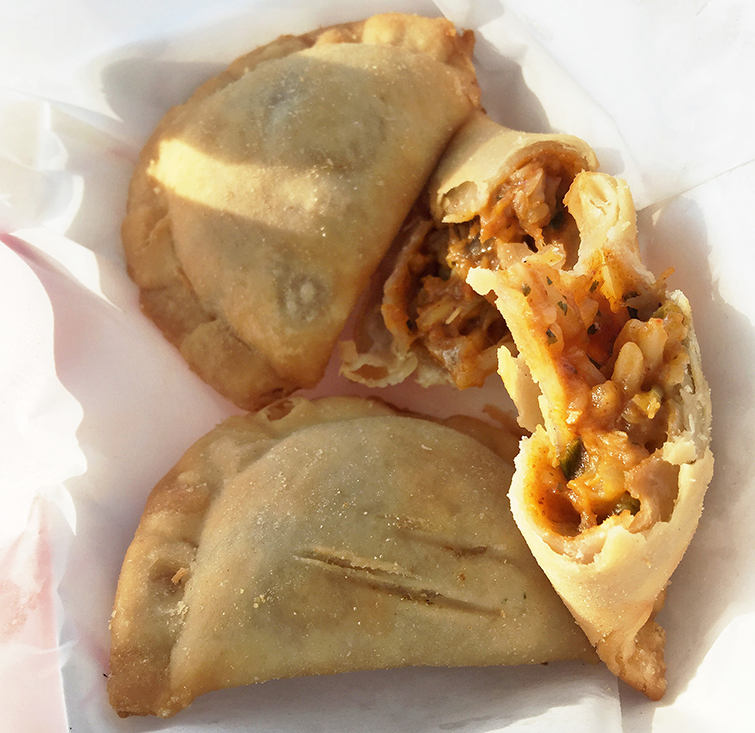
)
(96, 406)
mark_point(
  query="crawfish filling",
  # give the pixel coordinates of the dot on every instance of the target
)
(526, 214)
(458, 327)
(617, 369)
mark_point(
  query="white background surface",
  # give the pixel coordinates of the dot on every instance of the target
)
(95, 406)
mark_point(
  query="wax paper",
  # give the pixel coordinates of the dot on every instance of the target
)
(96, 406)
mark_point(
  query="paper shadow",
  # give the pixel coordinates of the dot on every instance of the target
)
(141, 88)
(420, 699)
(505, 95)
(705, 589)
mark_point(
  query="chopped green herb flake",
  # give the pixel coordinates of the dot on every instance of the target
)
(572, 459)
(627, 502)
(549, 281)
(594, 285)
(526, 289)
(551, 337)
(563, 306)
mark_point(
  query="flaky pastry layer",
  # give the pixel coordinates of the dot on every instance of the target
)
(609, 489)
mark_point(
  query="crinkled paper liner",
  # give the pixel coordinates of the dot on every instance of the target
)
(96, 406)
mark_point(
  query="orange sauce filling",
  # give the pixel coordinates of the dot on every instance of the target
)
(458, 327)
(610, 370)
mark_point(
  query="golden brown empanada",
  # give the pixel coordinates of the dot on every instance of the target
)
(260, 207)
(328, 536)
(609, 489)
(496, 196)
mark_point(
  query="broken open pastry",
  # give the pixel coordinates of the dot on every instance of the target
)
(496, 196)
(260, 207)
(609, 489)
(329, 536)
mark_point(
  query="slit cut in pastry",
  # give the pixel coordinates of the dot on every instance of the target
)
(260, 208)
(496, 196)
(323, 537)
(608, 490)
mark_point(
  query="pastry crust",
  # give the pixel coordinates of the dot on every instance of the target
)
(609, 489)
(324, 537)
(496, 195)
(260, 207)
(484, 155)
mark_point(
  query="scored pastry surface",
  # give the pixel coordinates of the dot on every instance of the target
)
(323, 537)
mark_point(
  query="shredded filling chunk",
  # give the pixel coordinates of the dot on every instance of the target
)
(616, 367)
(459, 328)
